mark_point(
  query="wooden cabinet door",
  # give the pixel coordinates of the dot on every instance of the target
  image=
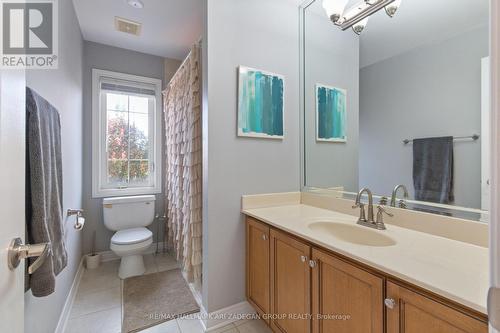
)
(345, 299)
(258, 277)
(290, 284)
(415, 313)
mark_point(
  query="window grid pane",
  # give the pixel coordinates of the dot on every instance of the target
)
(128, 141)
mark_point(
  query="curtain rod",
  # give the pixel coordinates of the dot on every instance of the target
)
(474, 137)
(197, 43)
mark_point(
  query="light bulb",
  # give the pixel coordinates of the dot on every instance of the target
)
(392, 8)
(334, 9)
(360, 26)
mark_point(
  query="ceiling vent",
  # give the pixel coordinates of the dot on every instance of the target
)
(127, 26)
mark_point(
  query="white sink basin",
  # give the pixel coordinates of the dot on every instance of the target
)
(353, 233)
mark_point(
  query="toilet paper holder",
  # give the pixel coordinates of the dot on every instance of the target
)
(79, 216)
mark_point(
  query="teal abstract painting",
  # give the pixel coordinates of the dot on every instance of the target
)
(331, 114)
(260, 103)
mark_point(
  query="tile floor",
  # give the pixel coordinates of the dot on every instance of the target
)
(98, 303)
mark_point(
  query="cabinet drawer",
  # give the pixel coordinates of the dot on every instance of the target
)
(410, 312)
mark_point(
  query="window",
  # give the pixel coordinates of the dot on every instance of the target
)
(126, 134)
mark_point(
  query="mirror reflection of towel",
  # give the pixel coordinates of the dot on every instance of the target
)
(433, 169)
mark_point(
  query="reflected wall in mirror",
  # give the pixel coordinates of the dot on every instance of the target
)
(421, 74)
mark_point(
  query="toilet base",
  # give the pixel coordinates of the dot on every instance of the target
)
(131, 266)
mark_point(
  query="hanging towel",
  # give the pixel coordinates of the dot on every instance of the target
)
(44, 190)
(433, 169)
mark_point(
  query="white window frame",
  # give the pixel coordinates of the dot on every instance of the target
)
(99, 190)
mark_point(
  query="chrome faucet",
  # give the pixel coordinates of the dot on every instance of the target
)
(370, 222)
(361, 206)
(402, 203)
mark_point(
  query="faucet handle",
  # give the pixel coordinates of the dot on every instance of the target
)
(402, 204)
(381, 210)
(383, 201)
(379, 223)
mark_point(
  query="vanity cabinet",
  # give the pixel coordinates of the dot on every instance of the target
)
(411, 312)
(290, 284)
(300, 287)
(258, 276)
(340, 289)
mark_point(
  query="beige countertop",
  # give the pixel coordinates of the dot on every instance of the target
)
(450, 268)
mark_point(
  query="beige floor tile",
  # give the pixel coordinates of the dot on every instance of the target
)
(166, 327)
(190, 325)
(254, 326)
(102, 278)
(86, 303)
(230, 330)
(165, 262)
(226, 329)
(241, 322)
(105, 267)
(150, 263)
(107, 321)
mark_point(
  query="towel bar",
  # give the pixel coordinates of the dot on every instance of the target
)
(474, 137)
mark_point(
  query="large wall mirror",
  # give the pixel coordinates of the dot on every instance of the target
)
(397, 92)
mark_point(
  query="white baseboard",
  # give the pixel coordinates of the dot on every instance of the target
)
(110, 255)
(220, 318)
(63, 318)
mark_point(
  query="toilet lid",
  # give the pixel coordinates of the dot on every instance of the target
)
(131, 236)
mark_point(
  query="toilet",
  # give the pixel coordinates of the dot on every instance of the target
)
(129, 217)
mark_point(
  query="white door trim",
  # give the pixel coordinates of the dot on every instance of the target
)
(485, 133)
(495, 145)
(12, 196)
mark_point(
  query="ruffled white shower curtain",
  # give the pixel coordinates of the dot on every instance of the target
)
(183, 154)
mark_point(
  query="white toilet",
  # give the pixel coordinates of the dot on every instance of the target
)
(129, 216)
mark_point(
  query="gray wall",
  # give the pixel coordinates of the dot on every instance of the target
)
(63, 89)
(331, 58)
(433, 90)
(119, 60)
(170, 67)
(261, 34)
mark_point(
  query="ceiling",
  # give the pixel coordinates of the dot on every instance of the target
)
(417, 23)
(169, 27)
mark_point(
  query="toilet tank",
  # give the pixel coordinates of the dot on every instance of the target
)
(128, 212)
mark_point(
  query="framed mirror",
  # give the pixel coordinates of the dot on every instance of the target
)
(396, 92)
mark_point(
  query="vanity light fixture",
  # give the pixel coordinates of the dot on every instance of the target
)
(357, 17)
(392, 8)
(360, 26)
(334, 9)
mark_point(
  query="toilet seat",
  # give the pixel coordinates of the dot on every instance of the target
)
(131, 236)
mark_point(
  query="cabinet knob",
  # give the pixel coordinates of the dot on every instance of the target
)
(390, 303)
(303, 258)
(264, 236)
(312, 263)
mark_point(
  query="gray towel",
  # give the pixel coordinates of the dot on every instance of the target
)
(433, 169)
(44, 190)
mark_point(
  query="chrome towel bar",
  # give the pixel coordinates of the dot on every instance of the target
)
(474, 137)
